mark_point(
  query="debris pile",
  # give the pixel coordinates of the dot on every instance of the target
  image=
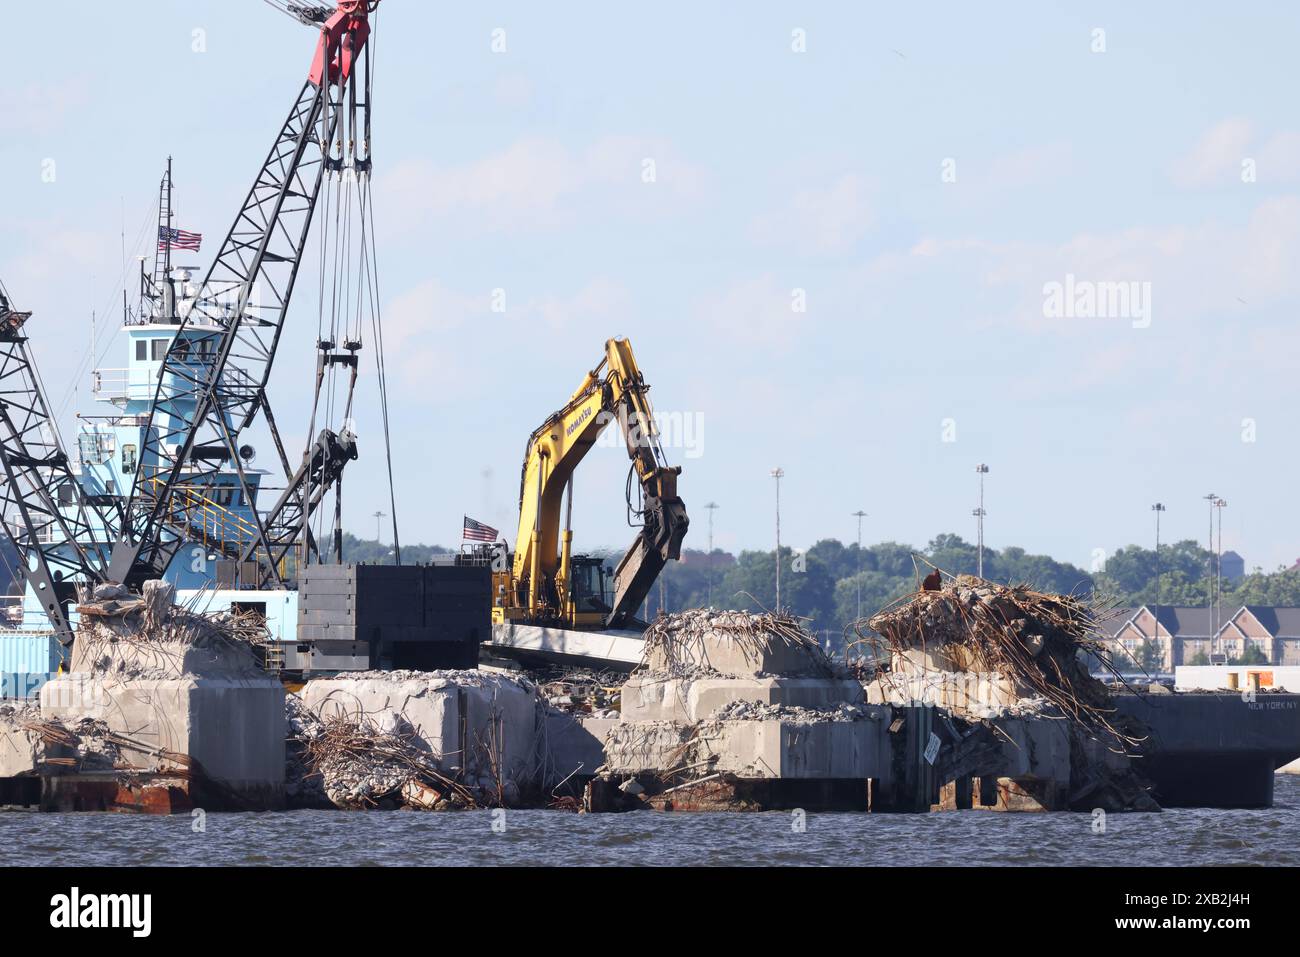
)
(84, 745)
(582, 691)
(755, 711)
(303, 787)
(705, 641)
(747, 706)
(1032, 638)
(361, 765)
(409, 739)
(1010, 658)
(184, 695)
(149, 635)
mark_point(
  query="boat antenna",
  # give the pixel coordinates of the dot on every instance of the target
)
(162, 267)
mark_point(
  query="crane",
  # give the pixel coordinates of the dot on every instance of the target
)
(46, 512)
(204, 400)
(546, 583)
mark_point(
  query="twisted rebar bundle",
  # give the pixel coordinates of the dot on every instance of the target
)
(1033, 638)
(680, 638)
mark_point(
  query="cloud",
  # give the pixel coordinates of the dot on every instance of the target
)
(1049, 162)
(753, 312)
(539, 183)
(49, 251)
(599, 303)
(1195, 270)
(1216, 156)
(1279, 158)
(513, 90)
(430, 329)
(824, 219)
(418, 333)
(39, 108)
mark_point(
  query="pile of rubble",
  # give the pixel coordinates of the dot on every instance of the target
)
(1011, 660)
(582, 691)
(123, 635)
(184, 690)
(434, 740)
(359, 765)
(733, 701)
(84, 745)
(704, 641)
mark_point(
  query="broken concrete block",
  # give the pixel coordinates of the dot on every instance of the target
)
(733, 643)
(658, 697)
(575, 745)
(476, 723)
(170, 680)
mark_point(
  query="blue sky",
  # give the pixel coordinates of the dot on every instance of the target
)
(918, 174)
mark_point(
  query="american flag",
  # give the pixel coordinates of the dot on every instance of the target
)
(179, 239)
(477, 532)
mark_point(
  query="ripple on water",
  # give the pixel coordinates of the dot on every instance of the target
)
(323, 838)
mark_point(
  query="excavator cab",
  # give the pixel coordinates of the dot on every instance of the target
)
(590, 592)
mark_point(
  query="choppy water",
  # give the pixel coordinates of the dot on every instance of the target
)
(1175, 837)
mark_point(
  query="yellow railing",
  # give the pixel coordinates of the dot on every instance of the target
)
(212, 522)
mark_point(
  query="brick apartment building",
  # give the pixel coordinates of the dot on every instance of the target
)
(1183, 633)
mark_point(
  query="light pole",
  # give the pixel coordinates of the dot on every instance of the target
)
(778, 474)
(859, 515)
(1209, 578)
(712, 507)
(379, 518)
(979, 514)
(1158, 508)
(1219, 505)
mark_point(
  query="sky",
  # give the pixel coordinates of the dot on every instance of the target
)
(874, 245)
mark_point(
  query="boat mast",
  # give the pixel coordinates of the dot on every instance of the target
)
(162, 267)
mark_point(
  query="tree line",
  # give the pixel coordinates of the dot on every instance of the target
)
(828, 583)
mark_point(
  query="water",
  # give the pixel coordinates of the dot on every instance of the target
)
(1174, 837)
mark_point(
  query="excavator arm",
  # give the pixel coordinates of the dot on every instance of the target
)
(662, 512)
(542, 572)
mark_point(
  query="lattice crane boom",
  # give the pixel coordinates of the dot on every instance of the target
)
(52, 523)
(213, 379)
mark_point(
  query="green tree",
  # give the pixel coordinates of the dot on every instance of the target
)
(1250, 655)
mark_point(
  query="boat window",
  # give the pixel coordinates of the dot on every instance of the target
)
(128, 459)
(141, 349)
(159, 349)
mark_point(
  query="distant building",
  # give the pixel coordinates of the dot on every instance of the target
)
(1233, 566)
(1182, 634)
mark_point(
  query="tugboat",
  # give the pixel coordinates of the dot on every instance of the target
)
(106, 461)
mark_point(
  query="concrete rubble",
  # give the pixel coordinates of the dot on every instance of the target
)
(436, 739)
(732, 710)
(196, 720)
(1018, 723)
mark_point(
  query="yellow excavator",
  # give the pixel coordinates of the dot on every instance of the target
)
(545, 583)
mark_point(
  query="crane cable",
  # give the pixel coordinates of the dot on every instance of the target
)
(348, 192)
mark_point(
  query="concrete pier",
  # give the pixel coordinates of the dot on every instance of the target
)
(191, 706)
